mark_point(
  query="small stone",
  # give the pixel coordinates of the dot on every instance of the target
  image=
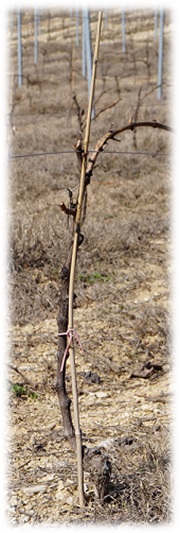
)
(101, 394)
(106, 443)
(34, 489)
(69, 500)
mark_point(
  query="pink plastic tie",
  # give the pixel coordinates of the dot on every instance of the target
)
(71, 333)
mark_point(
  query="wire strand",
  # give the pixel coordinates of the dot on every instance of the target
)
(20, 156)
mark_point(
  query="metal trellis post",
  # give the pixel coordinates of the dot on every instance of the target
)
(88, 53)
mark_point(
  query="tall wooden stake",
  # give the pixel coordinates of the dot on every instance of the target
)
(73, 266)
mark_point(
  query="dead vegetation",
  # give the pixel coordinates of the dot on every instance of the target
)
(122, 306)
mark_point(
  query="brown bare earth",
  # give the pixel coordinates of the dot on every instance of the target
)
(123, 313)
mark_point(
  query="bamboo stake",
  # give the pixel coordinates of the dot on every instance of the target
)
(73, 265)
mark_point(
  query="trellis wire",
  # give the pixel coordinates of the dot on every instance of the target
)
(124, 152)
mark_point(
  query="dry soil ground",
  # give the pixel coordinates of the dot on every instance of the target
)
(122, 282)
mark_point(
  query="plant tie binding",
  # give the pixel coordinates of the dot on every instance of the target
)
(69, 333)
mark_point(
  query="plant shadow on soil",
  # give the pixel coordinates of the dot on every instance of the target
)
(122, 304)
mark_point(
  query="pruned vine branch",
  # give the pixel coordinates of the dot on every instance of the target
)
(100, 146)
(112, 134)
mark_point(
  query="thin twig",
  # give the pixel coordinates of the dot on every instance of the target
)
(107, 107)
(25, 379)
